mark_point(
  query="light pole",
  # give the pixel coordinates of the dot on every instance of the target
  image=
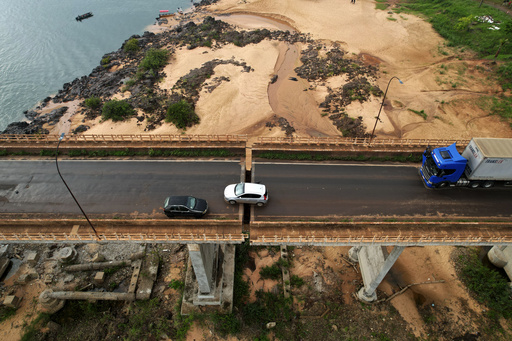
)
(381, 105)
(64, 181)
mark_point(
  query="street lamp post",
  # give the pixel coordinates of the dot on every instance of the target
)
(381, 105)
(64, 181)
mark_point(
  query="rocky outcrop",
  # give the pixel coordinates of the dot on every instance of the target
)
(36, 122)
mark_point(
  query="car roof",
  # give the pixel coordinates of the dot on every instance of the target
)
(177, 200)
(251, 187)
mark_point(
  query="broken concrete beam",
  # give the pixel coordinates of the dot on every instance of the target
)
(26, 277)
(137, 265)
(12, 301)
(48, 279)
(98, 258)
(148, 277)
(49, 304)
(3, 250)
(96, 266)
(99, 278)
(91, 296)
(67, 254)
(32, 258)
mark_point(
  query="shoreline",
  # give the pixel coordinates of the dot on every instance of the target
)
(241, 102)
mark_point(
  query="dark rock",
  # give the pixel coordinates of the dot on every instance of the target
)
(80, 129)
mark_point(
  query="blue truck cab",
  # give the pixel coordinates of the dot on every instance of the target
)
(442, 167)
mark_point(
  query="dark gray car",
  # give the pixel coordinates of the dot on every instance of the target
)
(185, 206)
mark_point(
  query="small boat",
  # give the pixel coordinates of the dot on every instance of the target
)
(165, 13)
(84, 16)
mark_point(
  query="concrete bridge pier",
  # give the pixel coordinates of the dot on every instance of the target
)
(374, 262)
(209, 278)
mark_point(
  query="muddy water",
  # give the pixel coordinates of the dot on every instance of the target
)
(289, 96)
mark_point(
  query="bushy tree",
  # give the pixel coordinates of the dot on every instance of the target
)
(92, 102)
(131, 46)
(181, 114)
(154, 59)
(117, 110)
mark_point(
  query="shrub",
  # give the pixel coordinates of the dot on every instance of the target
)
(117, 110)
(490, 288)
(271, 272)
(105, 60)
(92, 102)
(154, 59)
(131, 46)
(181, 114)
(296, 281)
(505, 76)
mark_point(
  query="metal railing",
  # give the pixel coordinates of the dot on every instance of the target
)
(381, 233)
(134, 138)
(342, 141)
(165, 238)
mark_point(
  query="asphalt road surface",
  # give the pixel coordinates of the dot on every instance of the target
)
(112, 187)
(295, 189)
(369, 190)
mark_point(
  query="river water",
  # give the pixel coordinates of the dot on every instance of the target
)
(42, 46)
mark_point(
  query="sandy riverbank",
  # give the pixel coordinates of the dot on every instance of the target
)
(405, 47)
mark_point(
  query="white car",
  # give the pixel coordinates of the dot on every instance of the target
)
(246, 193)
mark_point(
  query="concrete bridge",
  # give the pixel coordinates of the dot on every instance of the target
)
(211, 242)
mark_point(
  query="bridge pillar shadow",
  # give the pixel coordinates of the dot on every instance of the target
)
(374, 262)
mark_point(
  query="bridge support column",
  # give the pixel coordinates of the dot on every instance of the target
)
(353, 253)
(375, 262)
(209, 278)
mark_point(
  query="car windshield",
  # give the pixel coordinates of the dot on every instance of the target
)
(239, 189)
(191, 202)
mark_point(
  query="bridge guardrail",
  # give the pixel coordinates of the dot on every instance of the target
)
(359, 142)
(132, 138)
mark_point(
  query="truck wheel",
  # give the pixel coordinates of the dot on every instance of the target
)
(259, 204)
(474, 184)
(232, 202)
(488, 184)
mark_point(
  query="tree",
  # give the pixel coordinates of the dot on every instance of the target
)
(117, 110)
(92, 102)
(154, 59)
(181, 114)
(131, 46)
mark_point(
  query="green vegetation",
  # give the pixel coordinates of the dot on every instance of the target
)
(128, 84)
(382, 5)
(105, 61)
(461, 23)
(131, 46)
(488, 285)
(181, 114)
(92, 102)
(320, 157)
(420, 113)
(226, 324)
(271, 272)
(6, 312)
(31, 330)
(116, 110)
(154, 59)
(296, 281)
(140, 314)
(499, 105)
(177, 285)
(505, 76)
(129, 152)
(113, 270)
